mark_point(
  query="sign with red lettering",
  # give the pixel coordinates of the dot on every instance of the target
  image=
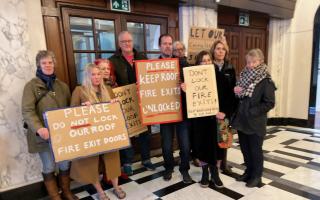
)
(201, 91)
(86, 130)
(128, 98)
(159, 90)
(202, 38)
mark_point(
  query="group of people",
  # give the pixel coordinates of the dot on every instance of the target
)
(245, 102)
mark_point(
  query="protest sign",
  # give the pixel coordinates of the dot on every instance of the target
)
(201, 38)
(201, 92)
(86, 130)
(159, 90)
(128, 98)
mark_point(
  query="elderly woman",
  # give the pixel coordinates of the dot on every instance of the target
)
(42, 93)
(86, 170)
(226, 81)
(255, 89)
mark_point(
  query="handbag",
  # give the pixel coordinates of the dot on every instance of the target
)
(225, 133)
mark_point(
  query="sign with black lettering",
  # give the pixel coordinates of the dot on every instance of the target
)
(128, 98)
(201, 38)
(159, 90)
(201, 91)
(86, 130)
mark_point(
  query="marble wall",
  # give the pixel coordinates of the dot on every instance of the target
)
(21, 35)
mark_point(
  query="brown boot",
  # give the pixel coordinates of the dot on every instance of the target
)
(51, 185)
(64, 181)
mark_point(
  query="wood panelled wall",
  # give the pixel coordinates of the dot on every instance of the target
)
(55, 38)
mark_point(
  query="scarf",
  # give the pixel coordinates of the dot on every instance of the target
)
(47, 79)
(249, 78)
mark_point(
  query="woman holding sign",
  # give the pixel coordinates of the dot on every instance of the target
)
(86, 170)
(255, 89)
(43, 93)
(205, 137)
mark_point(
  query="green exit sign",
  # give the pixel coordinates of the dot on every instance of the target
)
(120, 5)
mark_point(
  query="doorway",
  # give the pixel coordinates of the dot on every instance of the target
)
(314, 99)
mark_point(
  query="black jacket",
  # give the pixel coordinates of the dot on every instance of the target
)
(251, 116)
(125, 73)
(226, 81)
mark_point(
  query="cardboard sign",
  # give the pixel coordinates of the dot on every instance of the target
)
(159, 90)
(128, 98)
(86, 130)
(201, 38)
(202, 94)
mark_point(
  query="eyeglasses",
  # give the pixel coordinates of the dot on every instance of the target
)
(125, 41)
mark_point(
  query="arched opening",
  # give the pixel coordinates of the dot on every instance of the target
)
(314, 100)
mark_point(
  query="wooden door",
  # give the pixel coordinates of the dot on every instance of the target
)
(241, 40)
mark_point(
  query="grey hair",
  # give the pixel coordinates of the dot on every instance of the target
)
(256, 53)
(178, 42)
(45, 54)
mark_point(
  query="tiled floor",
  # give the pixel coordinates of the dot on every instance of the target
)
(292, 171)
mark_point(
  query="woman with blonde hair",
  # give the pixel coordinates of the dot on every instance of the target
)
(86, 170)
(255, 90)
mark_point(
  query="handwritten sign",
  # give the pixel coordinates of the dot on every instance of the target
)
(159, 90)
(128, 98)
(87, 130)
(202, 96)
(201, 38)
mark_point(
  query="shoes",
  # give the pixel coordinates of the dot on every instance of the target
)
(204, 182)
(186, 178)
(119, 193)
(149, 166)
(244, 177)
(196, 162)
(167, 175)
(103, 196)
(256, 182)
(215, 179)
(227, 170)
(127, 169)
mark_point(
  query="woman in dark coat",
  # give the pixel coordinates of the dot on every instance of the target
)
(226, 81)
(255, 89)
(205, 137)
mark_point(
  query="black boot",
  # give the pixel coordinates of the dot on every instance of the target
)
(226, 169)
(215, 179)
(244, 177)
(205, 176)
(254, 182)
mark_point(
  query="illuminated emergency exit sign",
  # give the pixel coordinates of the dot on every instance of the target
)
(120, 5)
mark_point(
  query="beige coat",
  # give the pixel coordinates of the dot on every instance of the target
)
(86, 170)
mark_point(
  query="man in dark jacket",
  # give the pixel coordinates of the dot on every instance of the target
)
(181, 128)
(123, 62)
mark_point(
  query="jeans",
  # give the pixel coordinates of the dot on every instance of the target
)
(127, 154)
(182, 131)
(251, 148)
(48, 163)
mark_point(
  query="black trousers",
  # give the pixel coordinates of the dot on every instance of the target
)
(251, 148)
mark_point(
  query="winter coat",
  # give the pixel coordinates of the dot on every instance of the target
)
(125, 73)
(251, 115)
(33, 114)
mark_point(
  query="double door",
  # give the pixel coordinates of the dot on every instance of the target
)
(93, 34)
(241, 40)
